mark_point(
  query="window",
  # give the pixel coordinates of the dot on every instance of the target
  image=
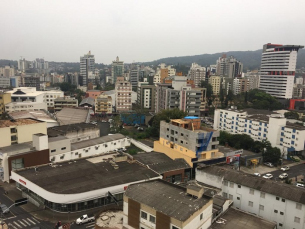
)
(53, 150)
(297, 219)
(250, 204)
(275, 211)
(63, 148)
(261, 207)
(201, 216)
(299, 206)
(238, 186)
(283, 200)
(62, 157)
(277, 198)
(231, 184)
(238, 198)
(230, 197)
(181, 134)
(282, 213)
(174, 227)
(17, 163)
(251, 191)
(280, 224)
(152, 219)
(225, 195)
(143, 215)
(225, 183)
(262, 195)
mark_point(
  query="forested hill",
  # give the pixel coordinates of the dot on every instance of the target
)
(250, 59)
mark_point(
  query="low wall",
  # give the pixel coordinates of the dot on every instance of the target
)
(141, 145)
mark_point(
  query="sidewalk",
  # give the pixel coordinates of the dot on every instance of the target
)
(47, 214)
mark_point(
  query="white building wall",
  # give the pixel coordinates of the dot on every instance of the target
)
(204, 223)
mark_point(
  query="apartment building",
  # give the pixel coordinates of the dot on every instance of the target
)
(278, 69)
(93, 93)
(161, 205)
(20, 131)
(87, 67)
(197, 74)
(215, 81)
(270, 200)
(240, 85)
(103, 104)
(146, 96)
(31, 81)
(262, 125)
(5, 82)
(163, 72)
(134, 76)
(228, 67)
(117, 69)
(7, 71)
(123, 92)
(254, 79)
(67, 101)
(5, 98)
(186, 138)
(177, 93)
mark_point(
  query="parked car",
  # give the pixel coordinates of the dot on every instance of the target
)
(283, 176)
(269, 164)
(268, 176)
(85, 219)
(285, 168)
(140, 129)
(300, 185)
(257, 174)
(4, 209)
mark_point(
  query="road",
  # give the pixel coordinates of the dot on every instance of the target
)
(19, 218)
(293, 172)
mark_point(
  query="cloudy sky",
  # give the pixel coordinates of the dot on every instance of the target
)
(142, 30)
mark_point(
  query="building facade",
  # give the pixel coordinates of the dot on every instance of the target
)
(25, 106)
(146, 96)
(228, 67)
(117, 69)
(60, 103)
(87, 66)
(123, 91)
(5, 98)
(103, 104)
(215, 81)
(278, 69)
(185, 138)
(5, 82)
(7, 71)
(197, 74)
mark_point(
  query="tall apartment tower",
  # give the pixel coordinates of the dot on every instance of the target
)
(123, 92)
(278, 69)
(197, 74)
(228, 67)
(117, 69)
(87, 66)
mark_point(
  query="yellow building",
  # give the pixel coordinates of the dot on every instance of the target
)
(215, 81)
(20, 131)
(103, 104)
(5, 98)
(187, 139)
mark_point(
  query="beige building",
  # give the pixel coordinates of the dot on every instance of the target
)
(103, 104)
(161, 205)
(20, 131)
(5, 98)
(25, 106)
(66, 101)
(215, 81)
(123, 92)
(7, 71)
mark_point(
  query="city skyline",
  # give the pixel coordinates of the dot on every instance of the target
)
(137, 31)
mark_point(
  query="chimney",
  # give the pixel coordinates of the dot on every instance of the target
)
(40, 141)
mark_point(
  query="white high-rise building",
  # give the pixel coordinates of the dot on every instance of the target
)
(87, 67)
(197, 74)
(278, 69)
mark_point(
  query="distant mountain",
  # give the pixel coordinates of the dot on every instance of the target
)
(250, 59)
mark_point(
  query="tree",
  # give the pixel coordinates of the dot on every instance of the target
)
(109, 87)
(67, 87)
(205, 84)
(272, 154)
(292, 115)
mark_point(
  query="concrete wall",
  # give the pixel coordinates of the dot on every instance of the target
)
(5, 139)
(76, 136)
(25, 132)
(141, 145)
(60, 147)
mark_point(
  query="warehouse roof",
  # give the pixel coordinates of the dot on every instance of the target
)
(64, 129)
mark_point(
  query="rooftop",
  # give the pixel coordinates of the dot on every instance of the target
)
(285, 191)
(85, 175)
(87, 100)
(41, 115)
(96, 141)
(160, 162)
(63, 130)
(72, 115)
(17, 148)
(294, 126)
(167, 198)
(18, 122)
(236, 219)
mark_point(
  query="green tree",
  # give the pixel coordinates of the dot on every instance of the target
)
(205, 84)
(292, 115)
(67, 87)
(272, 154)
(109, 87)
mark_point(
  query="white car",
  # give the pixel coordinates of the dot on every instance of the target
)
(285, 168)
(300, 185)
(283, 176)
(268, 176)
(257, 174)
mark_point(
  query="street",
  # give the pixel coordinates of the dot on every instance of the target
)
(292, 173)
(18, 218)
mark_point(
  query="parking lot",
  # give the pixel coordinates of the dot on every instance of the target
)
(293, 172)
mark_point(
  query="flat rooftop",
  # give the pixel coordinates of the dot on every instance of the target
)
(18, 122)
(38, 115)
(286, 191)
(172, 200)
(64, 129)
(17, 148)
(160, 162)
(85, 175)
(236, 219)
(294, 126)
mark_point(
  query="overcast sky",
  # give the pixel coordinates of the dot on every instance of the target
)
(142, 30)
